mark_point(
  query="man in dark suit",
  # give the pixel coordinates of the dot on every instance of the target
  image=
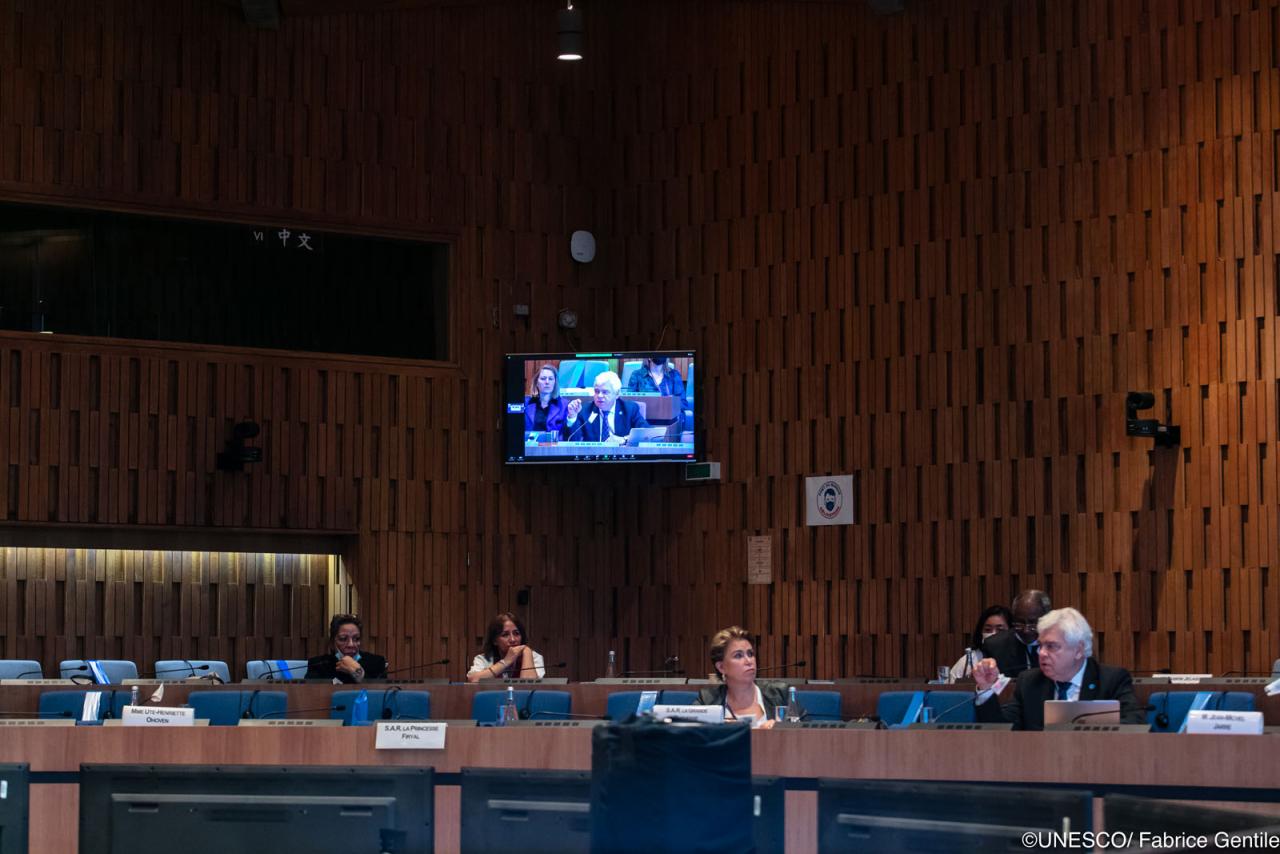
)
(1015, 651)
(1067, 671)
(608, 419)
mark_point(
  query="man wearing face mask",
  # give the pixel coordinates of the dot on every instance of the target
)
(607, 420)
(1017, 650)
(1067, 671)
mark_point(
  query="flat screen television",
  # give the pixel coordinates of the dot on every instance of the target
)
(627, 406)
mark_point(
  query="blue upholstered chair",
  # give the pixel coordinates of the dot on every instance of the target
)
(115, 670)
(271, 669)
(228, 708)
(185, 668)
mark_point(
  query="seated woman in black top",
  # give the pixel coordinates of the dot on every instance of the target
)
(345, 662)
(734, 659)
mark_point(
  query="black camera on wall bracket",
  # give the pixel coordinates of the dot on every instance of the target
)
(236, 453)
(1165, 435)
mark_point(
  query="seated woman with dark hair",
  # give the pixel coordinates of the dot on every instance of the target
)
(345, 662)
(994, 620)
(544, 408)
(657, 375)
(506, 652)
(734, 659)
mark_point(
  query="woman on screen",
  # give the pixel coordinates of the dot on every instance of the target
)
(506, 653)
(544, 409)
(344, 661)
(734, 660)
(994, 620)
(657, 375)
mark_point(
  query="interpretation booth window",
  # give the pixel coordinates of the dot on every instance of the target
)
(277, 285)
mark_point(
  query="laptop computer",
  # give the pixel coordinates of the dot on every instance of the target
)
(1059, 712)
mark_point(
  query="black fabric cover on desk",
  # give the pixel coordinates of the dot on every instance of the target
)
(657, 787)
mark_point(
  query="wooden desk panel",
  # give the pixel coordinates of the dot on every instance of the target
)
(1083, 759)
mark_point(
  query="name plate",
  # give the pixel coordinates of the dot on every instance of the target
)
(158, 716)
(36, 682)
(1188, 678)
(697, 714)
(1206, 722)
(291, 722)
(410, 735)
(38, 722)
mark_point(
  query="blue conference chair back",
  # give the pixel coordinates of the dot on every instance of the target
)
(392, 705)
(591, 370)
(623, 704)
(570, 374)
(228, 708)
(1235, 701)
(1174, 705)
(820, 705)
(265, 669)
(893, 706)
(19, 668)
(688, 382)
(63, 704)
(185, 668)
(951, 707)
(116, 670)
(535, 705)
(629, 368)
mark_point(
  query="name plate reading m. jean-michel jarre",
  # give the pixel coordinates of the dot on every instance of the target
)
(410, 735)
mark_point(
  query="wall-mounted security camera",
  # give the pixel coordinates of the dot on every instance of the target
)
(236, 453)
(1165, 435)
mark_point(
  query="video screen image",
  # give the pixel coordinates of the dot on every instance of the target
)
(601, 407)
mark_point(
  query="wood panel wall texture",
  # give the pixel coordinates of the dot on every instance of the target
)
(932, 250)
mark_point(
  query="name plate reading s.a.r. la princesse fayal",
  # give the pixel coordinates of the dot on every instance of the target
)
(410, 735)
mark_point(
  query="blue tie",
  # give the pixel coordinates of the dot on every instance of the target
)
(1063, 687)
(604, 426)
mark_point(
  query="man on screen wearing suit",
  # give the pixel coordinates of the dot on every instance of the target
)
(607, 420)
(1067, 671)
(1016, 651)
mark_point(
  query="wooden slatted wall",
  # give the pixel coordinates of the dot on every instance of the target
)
(931, 250)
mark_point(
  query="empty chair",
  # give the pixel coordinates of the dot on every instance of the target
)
(1235, 701)
(570, 374)
(534, 705)
(623, 704)
(390, 705)
(629, 367)
(1170, 709)
(20, 668)
(591, 370)
(819, 705)
(228, 708)
(67, 704)
(275, 669)
(113, 671)
(899, 708)
(951, 707)
(186, 668)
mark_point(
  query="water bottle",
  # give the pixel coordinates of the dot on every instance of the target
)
(133, 696)
(509, 713)
(360, 708)
(793, 707)
(610, 669)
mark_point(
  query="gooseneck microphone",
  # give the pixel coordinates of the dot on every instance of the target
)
(670, 667)
(419, 666)
(190, 668)
(582, 422)
(1083, 715)
(556, 666)
(782, 667)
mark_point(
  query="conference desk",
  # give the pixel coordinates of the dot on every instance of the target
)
(1213, 766)
(859, 697)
